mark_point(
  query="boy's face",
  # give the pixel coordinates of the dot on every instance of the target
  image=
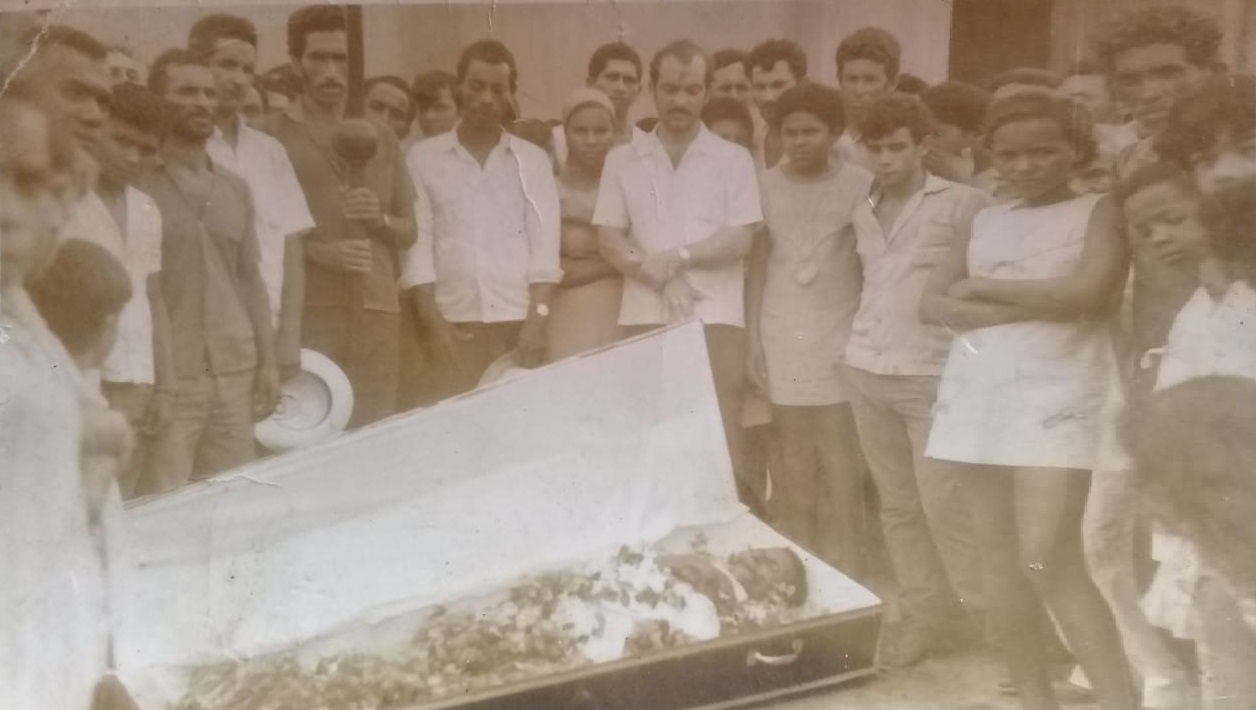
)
(126, 150)
(1149, 79)
(862, 81)
(807, 141)
(438, 116)
(951, 139)
(767, 85)
(897, 157)
(1231, 160)
(733, 132)
(1163, 218)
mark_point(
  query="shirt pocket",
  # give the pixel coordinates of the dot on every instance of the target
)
(932, 243)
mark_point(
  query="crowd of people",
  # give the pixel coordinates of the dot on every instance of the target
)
(1015, 323)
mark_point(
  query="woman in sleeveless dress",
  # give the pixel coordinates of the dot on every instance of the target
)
(802, 295)
(584, 313)
(1030, 298)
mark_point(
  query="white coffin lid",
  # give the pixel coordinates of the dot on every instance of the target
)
(622, 445)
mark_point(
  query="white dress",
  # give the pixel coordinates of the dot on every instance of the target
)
(1031, 393)
(813, 283)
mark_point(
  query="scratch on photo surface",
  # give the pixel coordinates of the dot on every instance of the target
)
(30, 52)
(258, 481)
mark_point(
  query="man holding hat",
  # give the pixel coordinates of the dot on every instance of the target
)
(486, 261)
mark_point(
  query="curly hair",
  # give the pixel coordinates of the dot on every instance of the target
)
(894, 111)
(821, 101)
(1071, 116)
(80, 291)
(1197, 120)
(1196, 33)
(873, 44)
(767, 55)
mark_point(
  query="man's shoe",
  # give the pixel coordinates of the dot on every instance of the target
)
(906, 643)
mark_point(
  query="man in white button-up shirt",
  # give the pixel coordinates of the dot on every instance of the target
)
(229, 45)
(137, 377)
(486, 261)
(675, 214)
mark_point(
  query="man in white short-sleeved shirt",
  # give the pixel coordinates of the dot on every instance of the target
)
(486, 261)
(675, 214)
(137, 376)
(228, 44)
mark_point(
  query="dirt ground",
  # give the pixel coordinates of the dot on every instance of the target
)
(957, 682)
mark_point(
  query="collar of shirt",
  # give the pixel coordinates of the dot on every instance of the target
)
(448, 142)
(933, 184)
(705, 143)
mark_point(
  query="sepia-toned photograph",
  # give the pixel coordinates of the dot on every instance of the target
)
(628, 355)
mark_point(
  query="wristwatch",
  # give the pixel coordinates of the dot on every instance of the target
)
(542, 310)
(684, 254)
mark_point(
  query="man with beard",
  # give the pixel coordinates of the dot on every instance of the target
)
(487, 259)
(228, 44)
(675, 214)
(775, 66)
(615, 70)
(224, 355)
(351, 298)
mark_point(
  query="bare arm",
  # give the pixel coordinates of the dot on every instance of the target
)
(1088, 292)
(938, 307)
(581, 270)
(618, 249)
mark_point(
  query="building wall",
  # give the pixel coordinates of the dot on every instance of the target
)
(551, 40)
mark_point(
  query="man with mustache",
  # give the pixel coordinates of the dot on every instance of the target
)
(675, 214)
(228, 44)
(775, 66)
(487, 259)
(351, 299)
(224, 354)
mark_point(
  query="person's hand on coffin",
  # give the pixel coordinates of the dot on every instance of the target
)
(265, 391)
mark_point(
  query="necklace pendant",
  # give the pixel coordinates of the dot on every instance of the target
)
(806, 273)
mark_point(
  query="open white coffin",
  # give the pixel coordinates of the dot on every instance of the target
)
(562, 465)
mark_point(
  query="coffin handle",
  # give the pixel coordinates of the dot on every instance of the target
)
(755, 657)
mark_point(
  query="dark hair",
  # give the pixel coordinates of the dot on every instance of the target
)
(684, 51)
(911, 84)
(1198, 119)
(204, 36)
(823, 102)
(894, 111)
(535, 131)
(648, 123)
(1156, 173)
(489, 51)
(724, 108)
(1071, 116)
(1193, 445)
(1228, 216)
(158, 74)
(873, 44)
(728, 57)
(427, 86)
(67, 37)
(1030, 76)
(82, 288)
(767, 55)
(1197, 34)
(611, 52)
(139, 108)
(314, 18)
(959, 104)
(394, 81)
